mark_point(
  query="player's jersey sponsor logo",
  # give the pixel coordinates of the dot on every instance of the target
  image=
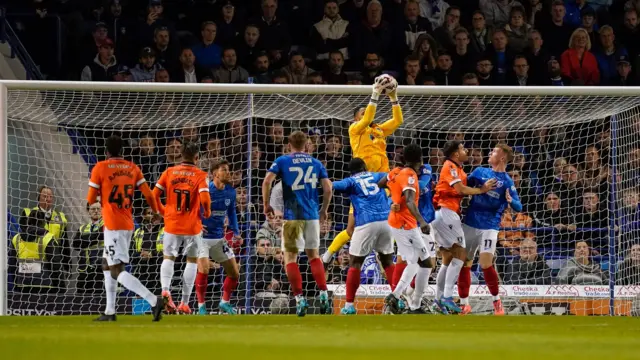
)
(632, 290)
(411, 180)
(453, 172)
(562, 290)
(227, 202)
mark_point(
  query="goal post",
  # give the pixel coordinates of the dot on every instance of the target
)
(578, 169)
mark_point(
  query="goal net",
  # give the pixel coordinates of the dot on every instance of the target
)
(574, 249)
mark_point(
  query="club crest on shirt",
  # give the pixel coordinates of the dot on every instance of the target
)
(227, 202)
(499, 184)
(411, 181)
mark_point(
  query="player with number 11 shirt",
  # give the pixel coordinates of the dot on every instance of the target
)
(114, 180)
(186, 189)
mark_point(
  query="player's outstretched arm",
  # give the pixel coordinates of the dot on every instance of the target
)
(327, 193)
(266, 192)
(466, 190)
(390, 126)
(361, 125)
(513, 199)
(341, 186)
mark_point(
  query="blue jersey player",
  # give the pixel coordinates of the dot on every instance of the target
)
(214, 244)
(482, 222)
(372, 231)
(301, 173)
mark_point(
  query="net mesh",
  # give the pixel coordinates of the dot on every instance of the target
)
(577, 170)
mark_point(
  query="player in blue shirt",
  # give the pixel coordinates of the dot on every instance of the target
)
(214, 245)
(482, 222)
(372, 231)
(300, 173)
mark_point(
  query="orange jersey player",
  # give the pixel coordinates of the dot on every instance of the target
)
(114, 180)
(406, 223)
(187, 190)
(450, 190)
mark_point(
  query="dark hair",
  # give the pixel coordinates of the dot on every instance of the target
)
(295, 53)
(189, 150)
(218, 164)
(412, 154)
(336, 52)
(357, 110)
(297, 140)
(450, 8)
(443, 53)
(41, 188)
(114, 145)
(357, 165)
(279, 74)
(411, 57)
(520, 56)
(205, 23)
(450, 147)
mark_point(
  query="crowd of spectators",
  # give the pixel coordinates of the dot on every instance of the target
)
(422, 42)
(563, 174)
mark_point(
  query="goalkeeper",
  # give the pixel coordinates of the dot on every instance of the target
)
(369, 142)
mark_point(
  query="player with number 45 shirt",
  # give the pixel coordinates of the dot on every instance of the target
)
(186, 188)
(300, 173)
(114, 180)
(482, 222)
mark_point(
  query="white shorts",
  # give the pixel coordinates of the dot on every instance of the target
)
(298, 235)
(448, 228)
(430, 242)
(411, 246)
(478, 239)
(116, 246)
(189, 243)
(372, 236)
(217, 249)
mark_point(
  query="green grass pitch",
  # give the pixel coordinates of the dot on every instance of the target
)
(316, 337)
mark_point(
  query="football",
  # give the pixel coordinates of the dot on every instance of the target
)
(388, 82)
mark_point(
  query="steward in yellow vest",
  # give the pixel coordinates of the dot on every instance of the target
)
(90, 240)
(147, 251)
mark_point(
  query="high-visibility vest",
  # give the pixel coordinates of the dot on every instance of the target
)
(91, 252)
(138, 237)
(31, 255)
(56, 225)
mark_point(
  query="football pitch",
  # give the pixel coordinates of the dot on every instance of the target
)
(316, 337)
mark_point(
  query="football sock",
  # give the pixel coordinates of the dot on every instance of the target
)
(353, 283)
(422, 281)
(132, 283)
(201, 287)
(317, 270)
(440, 279)
(110, 286)
(295, 279)
(491, 278)
(397, 274)
(464, 284)
(389, 272)
(228, 288)
(188, 279)
(166, 274)
(407, 275)
(453, 271)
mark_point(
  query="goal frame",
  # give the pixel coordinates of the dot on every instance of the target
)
(251, 89)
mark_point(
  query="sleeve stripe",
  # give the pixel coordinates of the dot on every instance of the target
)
(160, 187)
(202, 190)
(454, 181)
(94, 185)
(141, 181)
(408, 188)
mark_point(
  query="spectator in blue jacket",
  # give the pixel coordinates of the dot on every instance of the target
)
(208, 54)
(608, 54)
(574, 10)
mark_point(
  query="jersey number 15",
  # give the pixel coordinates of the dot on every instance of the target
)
(309, 178)
(368, 186)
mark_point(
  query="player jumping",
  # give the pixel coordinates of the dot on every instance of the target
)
(186, 189)
(450, 189)
(301, 229)
(372, 232)
(114, 180)
(369, 143)
(482, 222)
(404, 186)
(214, 245)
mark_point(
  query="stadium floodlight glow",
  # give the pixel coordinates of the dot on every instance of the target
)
(51, 134)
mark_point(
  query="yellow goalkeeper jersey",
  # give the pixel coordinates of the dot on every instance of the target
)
(369, 141)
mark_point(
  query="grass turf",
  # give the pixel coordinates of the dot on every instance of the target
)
(315, 337)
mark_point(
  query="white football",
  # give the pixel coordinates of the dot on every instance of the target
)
(388, 82)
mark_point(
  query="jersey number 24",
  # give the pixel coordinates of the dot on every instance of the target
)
(309, 178)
